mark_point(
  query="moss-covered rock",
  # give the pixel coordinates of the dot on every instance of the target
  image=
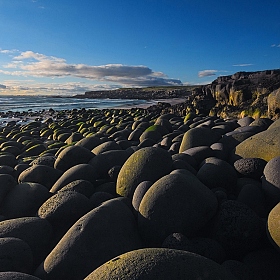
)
(160, 263)
(146, 164)
(264, 145)
(273, 226)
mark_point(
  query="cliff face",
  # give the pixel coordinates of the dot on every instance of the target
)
(243, 86)
(240, 92)
(245, 92)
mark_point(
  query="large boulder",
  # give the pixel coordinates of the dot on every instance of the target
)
(63, 209)
(105, 161)
(199, 136)
(89, 142)
(217, 173)
(41, 174)
(175, 203)
(146, 164)
(11, 275)
(36, 232)
(71, 156)
(15, 255)
(24, 200)
(77, 172)
(264, 145)
(102, 234)
(273, 226)
(237, 228)
(160, 263)
(271, 182)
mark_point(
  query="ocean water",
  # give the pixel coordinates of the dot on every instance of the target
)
(39, 103)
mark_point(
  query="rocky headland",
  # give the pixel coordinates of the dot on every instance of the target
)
(240, 94)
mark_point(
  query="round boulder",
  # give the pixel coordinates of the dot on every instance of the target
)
(15, 255)
(271, 182)
(102, 234)
(175, 203)
(146, 164)
(200, 136)
(273, 226)
(160, 263)
(105, 161)
(36, 232)
(24, 200)
(237, 228)
(41, 174)
(71, 156)
(77, 172)
(63, 209)
(264, 145)
(12, 275)
(217, 173)
(81, 186)
(250, 167)
(89, 142)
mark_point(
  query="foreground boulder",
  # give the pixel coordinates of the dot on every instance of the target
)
(15, 255)
(103, 233)
(264, 145)
(159, 263)
(273, 227)
(24, 200)
(175, 203)
(34, 231)
(11, 275)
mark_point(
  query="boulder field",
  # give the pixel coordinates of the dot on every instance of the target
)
(135, 194)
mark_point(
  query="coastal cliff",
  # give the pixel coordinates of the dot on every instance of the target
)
(244, 93)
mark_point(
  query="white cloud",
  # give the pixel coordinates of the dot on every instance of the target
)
(207, 73)
(33, 64)
(8, 51)
(243, 65)
(24, 87)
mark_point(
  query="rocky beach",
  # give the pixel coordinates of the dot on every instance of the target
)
(188, 188)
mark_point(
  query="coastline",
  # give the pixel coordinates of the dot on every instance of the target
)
(24, 117)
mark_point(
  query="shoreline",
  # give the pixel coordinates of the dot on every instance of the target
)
(25, 117)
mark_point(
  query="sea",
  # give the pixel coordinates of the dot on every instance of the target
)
(20, 103)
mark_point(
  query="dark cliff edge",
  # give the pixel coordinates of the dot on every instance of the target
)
(244, 93)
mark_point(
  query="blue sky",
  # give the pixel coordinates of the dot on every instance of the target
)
(69, 47)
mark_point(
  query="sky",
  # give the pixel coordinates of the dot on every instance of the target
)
(69, 47)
